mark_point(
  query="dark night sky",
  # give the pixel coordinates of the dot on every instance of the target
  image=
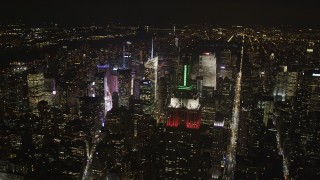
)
(162, 12)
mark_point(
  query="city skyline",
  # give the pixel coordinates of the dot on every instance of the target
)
(159, 90)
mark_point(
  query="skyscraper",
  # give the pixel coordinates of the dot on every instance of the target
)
(126, 56)
(147, 96)
(208, 69)
(91, 111)
(101, 89)
(14, 90)
(35, 90)
(184, 108)
(124, 77)
(151, 73)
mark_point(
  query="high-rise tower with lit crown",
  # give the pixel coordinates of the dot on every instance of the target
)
(184, 108)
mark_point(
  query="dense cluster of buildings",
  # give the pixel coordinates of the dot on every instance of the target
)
(156, 104)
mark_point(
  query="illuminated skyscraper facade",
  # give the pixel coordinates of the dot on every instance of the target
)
(124, 77)
(101, 89)
(126, 56)
(151, 73)
(147, 96)
(14, 91)
(225, 68)
(208, 69)
(184, 108)
(35, 90)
